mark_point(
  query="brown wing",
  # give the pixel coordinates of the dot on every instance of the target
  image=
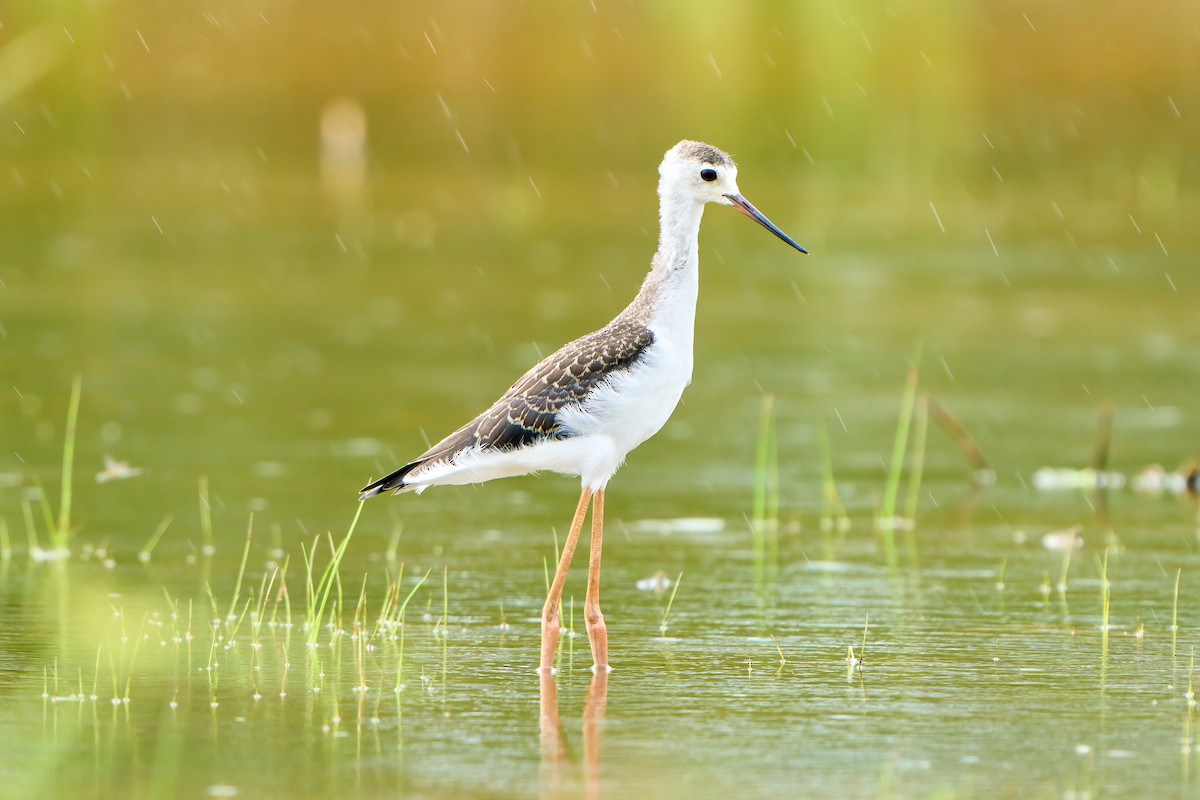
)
(528, 411)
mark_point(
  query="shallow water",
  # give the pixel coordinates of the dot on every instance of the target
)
(257, 335)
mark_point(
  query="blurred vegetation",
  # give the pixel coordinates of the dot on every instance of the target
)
(882, 97)
(167, 230)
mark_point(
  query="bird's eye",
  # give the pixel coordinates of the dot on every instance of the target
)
(709, 175)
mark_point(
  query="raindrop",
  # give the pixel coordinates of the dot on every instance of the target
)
(937, 217)
(712, 62)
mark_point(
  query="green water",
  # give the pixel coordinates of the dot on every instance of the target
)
(259, 331)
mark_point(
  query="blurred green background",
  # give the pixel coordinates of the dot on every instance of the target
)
(286, 244)
(1013, 183)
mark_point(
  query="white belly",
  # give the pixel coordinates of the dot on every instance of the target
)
(629, 408)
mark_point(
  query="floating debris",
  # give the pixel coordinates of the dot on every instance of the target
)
(117, 471)
(1156, 480)
(1064, 541)
(685, 525)
(1054, 479)
(657, 583)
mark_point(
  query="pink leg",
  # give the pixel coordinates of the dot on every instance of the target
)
(550, 612)
(597, 632)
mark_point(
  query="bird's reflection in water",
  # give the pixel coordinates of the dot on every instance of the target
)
(555, 767)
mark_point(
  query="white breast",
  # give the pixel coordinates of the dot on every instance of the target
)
(634, 404)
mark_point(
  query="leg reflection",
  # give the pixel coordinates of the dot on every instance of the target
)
(555, 768)
(594, 706)
(553, 744)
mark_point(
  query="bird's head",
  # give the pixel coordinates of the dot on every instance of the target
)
(701, 173)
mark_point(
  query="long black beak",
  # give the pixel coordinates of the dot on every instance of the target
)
(743, 205)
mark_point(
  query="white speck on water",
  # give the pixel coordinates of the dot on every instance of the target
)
(937, 217)
(1174, 108)
(222, 791)
(988, 234)
(658, 582)
(1136, 227)
(1171, 283)
(155, 221)
(1160, 243)
(712, 62)
(1082, 749)
(142, 39)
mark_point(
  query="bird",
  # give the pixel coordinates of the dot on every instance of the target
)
(583, 408)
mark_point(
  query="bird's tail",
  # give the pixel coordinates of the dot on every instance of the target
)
(389, 483)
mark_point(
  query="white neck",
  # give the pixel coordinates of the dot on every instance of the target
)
(667, 300)
(679, 230)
